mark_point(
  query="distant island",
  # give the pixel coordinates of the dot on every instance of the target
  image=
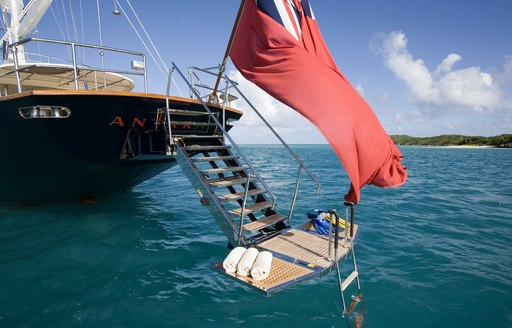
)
(501, 141)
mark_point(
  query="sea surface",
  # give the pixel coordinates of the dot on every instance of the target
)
(436, 252)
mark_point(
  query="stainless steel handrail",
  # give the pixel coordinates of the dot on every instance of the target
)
(294, 155)
(209, 70)
(226, 134)
(233, 83)
(75, 66)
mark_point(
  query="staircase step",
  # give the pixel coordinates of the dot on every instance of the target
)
(349, 280)
(201, 136)
(226, 182)
(224, 170)
(214, 158)
(240, 195)
(251, 208)
(182, 112)
(263, 223)
(200, 148)
(186, 112)
(191, 123)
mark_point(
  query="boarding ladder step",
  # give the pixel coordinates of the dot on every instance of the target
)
(226, 182)
(224, 170)
(192, 123)
(201, 136)
(263, 223)
(241, 194)
(184, 112)
(235, 187)
(206, 148)
(349, 280)
(214, 158)
(252, 208)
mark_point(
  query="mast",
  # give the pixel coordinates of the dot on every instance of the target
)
(213, 96)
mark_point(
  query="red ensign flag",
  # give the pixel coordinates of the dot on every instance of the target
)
(278, 46)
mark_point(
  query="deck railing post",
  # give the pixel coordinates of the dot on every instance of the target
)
(75, 69)
(347, 206)
(242, 210)
(167, 111)
(145, 72)
(16, 68)
(295, 195)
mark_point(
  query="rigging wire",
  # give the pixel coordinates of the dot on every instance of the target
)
(165, 72)
(152, 44)
(65, 19)
(75, 31)
(146, 33)
(82, 27)
(72, 13)
(57, 20)
(142, 40)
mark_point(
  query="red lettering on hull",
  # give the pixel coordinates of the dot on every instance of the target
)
(141, 123)
(117, 121)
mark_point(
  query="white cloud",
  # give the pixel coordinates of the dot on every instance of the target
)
(447, 64)
(468, 88)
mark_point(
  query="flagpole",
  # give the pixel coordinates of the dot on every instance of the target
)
(213, 96)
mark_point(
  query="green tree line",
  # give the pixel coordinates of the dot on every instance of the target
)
(501, 141)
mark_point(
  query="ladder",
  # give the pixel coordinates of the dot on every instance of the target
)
(354, 275)
(236, 196)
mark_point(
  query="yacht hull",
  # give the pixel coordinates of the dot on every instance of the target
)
(107, 143)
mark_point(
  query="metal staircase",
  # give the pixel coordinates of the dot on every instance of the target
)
(237, 197)
(245, 207)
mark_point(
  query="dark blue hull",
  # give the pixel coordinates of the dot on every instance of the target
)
(107, 145)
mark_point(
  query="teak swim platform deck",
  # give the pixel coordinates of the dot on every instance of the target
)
(299, 254)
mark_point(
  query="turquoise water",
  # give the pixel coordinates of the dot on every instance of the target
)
(436, 252)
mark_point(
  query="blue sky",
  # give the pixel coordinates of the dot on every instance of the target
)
(426, 67)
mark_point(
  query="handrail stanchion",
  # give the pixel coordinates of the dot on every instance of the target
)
(145, 74)
(295, 195)
(242, 211)
(347, 206)
(335, 217)
(167, 110)
(75, 69)
(329, 257)
(16, 68)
